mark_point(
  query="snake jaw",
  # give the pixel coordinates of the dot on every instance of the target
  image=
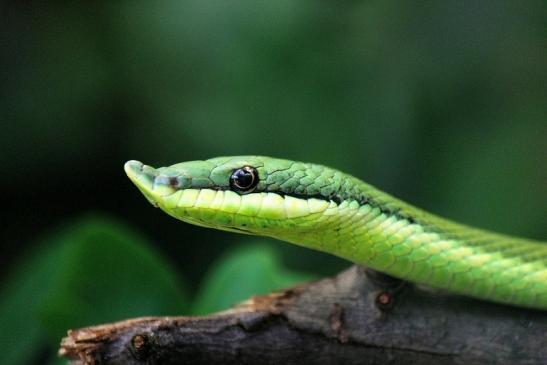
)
(143, 177)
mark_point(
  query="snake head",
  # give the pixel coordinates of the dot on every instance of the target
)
(248, 194)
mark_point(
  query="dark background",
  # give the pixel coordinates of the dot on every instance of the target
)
(443, 104)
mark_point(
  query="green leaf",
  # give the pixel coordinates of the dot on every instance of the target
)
(94, 271)
(20, 299)
(241, 273)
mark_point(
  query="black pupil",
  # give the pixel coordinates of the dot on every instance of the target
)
(243, 178)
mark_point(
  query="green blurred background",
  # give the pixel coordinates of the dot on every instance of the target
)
(443, 104)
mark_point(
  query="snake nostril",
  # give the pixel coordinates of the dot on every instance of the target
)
(173, 181)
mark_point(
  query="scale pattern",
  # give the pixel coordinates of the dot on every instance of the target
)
(324, 209)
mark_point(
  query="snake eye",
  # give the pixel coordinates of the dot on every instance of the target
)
(244, 179)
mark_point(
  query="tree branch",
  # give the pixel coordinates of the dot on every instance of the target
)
(349, 319)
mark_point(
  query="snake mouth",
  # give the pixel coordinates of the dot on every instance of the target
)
(143, 177)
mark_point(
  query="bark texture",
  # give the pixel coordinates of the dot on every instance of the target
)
(353, 318)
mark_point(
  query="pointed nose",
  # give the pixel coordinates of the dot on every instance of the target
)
(140, 174)
(143, 177)
(132, 168)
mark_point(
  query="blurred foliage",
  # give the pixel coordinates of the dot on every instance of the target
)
(439, 103)
(242, 273)
(93, 271)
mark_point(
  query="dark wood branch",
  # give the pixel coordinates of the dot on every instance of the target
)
(348, 319)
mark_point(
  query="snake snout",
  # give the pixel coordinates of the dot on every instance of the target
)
(143, 177)
(139, 172)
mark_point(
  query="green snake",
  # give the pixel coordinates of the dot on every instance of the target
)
(324, 209)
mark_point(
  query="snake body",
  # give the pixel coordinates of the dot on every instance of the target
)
(324, 209)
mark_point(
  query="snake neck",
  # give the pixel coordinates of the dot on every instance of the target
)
(393, 237)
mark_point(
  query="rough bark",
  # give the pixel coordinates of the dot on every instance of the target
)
(352, 318)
